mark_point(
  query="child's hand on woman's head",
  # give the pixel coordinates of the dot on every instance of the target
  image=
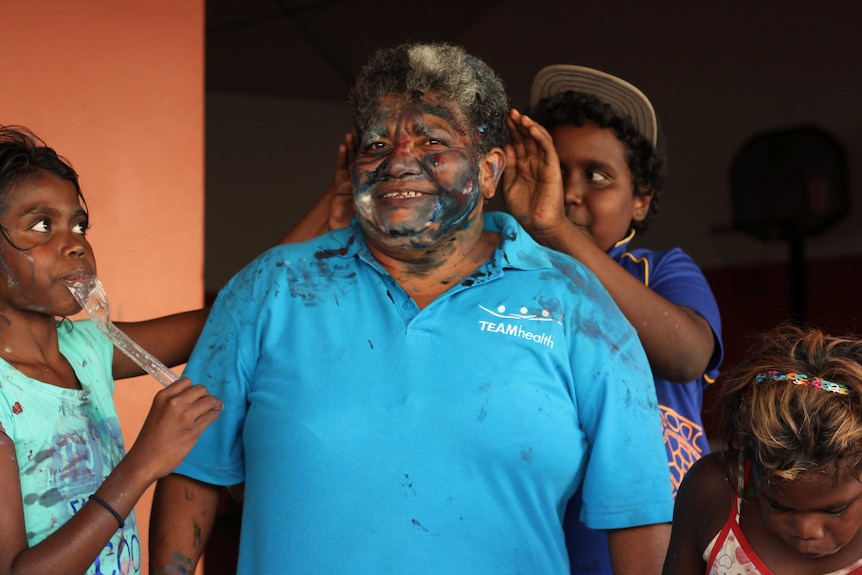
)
(178, 416)
(341, 203)
(532, 183)
(334, 209)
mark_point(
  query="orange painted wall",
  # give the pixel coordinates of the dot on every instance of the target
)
(118, 89)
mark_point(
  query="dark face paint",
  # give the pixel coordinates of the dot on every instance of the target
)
(416, 177)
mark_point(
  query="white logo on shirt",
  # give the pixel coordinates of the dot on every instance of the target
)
(515, 329)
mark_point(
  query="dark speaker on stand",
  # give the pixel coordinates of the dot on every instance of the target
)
(789, 185)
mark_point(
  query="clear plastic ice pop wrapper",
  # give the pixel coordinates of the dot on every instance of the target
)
(91, 296)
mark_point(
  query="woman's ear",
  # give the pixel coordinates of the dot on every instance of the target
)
(491, 170)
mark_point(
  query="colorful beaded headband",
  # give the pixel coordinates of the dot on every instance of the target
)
(802, 379)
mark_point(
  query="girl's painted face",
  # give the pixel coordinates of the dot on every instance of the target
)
(44, 227)
(416, 176)
(813, 515)
(597, 183)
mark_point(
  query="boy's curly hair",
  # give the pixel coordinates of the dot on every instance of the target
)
(646, 164)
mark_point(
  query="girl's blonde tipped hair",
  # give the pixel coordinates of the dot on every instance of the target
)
(787, 428)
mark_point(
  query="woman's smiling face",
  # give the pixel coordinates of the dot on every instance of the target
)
(416, 176)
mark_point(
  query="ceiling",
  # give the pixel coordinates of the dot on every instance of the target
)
(311, 49)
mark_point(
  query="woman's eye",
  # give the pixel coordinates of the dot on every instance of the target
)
(372, 147)
(434, 142)
(81, 228)
(41, 226)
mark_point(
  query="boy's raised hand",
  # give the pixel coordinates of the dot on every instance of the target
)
(178, 416)
(532, 183)
(334, 209)
(341, 188)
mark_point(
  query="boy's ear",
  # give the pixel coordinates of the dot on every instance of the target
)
(642, 201)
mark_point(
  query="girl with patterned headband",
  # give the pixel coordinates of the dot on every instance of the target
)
(786, 494)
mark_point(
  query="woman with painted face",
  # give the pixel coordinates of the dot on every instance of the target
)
(67, 485)
(786, 496)
(423, 390)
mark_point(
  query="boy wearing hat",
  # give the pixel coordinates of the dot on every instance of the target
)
(583, 176)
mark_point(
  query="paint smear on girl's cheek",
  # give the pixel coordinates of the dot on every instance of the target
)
(13, 279)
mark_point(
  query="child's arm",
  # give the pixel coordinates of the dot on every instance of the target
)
(178, 416)
(182, 519)
(678, 341)
(702, 504)
(638, 550)
(170, 338)
(334, 209)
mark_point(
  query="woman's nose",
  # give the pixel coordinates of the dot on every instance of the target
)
(402, 161)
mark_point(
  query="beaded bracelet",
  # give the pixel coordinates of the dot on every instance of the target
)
(107, 506)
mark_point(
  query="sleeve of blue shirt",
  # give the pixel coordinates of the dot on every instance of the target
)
(626, 481)
(678, 279)
(221, 361)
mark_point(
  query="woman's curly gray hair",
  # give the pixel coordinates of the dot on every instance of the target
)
(444, 70)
